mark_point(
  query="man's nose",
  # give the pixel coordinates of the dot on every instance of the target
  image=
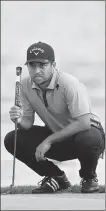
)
(37, 69)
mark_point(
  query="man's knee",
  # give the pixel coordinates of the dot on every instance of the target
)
(9, 141)
(89, 141)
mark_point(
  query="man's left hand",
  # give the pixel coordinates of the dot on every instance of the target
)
(41, 150)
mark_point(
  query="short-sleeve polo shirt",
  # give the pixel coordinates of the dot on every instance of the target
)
(66, 99)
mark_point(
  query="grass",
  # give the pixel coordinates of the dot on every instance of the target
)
(27, 189)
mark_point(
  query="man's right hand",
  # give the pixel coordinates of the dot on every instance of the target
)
(16, 113)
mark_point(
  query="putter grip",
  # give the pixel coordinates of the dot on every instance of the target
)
(17, 86)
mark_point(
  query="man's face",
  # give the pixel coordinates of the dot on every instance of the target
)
(40, 72)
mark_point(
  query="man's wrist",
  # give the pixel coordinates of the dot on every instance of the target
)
(48, 140)
(18, 120)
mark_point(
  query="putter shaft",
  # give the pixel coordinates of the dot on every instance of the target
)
(15, 139)
(17, 102)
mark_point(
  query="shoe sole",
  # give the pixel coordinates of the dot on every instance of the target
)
(60, 191)
(89, 191)
(64, 190)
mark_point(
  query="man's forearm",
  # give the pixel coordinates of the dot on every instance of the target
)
(68, 131)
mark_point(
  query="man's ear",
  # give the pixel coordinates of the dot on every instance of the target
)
(54, 64)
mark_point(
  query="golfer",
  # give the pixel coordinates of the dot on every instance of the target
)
(71, 130)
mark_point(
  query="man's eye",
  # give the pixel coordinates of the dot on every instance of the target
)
(42, 64)
(32, 64)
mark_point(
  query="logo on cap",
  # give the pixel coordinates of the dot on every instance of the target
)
(39, 50)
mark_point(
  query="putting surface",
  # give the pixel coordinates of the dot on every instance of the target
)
(64, 201)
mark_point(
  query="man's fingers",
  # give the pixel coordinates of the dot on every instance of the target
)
(15, 108)
(13, 114)
(16, 113)
(39, 156)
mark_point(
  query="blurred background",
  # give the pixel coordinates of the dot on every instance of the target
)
(76, 31)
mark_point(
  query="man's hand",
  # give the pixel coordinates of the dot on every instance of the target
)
(41, 150)
(16, 112)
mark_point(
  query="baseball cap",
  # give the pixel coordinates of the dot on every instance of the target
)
(40, 52)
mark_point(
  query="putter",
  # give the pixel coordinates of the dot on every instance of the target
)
(17, 103)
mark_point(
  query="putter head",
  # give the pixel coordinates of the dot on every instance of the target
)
(8, 191)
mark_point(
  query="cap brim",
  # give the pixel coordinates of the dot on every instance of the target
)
(36, 60)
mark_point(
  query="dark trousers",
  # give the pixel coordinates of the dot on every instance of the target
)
(85, 146)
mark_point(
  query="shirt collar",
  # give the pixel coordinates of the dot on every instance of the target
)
(53, 81)
(34, 86)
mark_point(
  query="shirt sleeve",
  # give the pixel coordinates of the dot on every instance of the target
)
(27, 108)
(77, 99)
